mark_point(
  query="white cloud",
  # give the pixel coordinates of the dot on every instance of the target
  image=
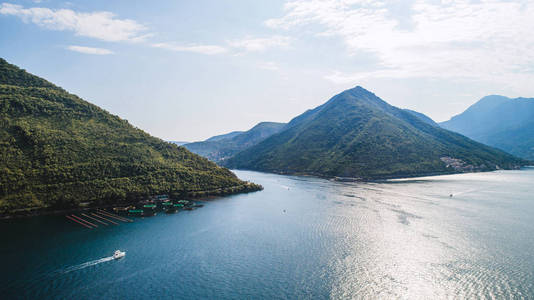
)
(99, 25)
(90, 50)
(201, 49)
(485, 40)
(260, 44)
(248, 44)
(269, 65)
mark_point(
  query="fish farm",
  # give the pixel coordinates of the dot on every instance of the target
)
(145, 208)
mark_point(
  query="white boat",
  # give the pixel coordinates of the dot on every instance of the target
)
(118, 254)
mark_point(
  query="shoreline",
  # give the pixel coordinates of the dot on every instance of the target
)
(207, 198)
(47, 211)
(377, 179)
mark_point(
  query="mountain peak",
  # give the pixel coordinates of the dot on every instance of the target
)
(498, 121)
(359, 90)
(357, 134)
(359, 95)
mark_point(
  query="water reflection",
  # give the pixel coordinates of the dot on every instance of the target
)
(302, 237)
(411, 240)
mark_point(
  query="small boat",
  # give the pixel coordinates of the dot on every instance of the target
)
(118, 254)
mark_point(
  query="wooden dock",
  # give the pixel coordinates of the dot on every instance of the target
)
(83, 220)
(89, 220)
(101, 217)
(105, 213)
(93, 218)
(96, 220)
(83, 224)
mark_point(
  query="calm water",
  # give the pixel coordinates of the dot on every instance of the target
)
(402, 239)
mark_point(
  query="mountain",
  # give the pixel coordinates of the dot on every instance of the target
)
(178, 143)
(224, 136)
(59, 151)
(221, 147)
(498, 121)
(422, 117)
(357, 134)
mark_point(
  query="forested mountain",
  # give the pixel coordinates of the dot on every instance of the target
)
(221, 147)
(357, 134)
(501, 122)
(59, 151)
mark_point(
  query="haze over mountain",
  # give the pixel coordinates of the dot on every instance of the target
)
(422, 117)
(224, 136)
(357, 134)
(498, 121)
(224, 146)
(59, 151)
(178, 143)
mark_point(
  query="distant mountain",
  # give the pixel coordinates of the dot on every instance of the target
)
(59, 151)
(178, 143)
(501, 122)
(357, 134)
(421, 116)
(224, 136)
(222, 147)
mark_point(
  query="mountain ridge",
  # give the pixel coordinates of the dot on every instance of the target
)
(357, 134)
(499, 121)
(60, 151)
(221, 147)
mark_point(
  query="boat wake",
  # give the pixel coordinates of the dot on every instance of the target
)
(87, 264)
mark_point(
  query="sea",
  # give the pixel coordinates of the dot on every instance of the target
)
(464, 236)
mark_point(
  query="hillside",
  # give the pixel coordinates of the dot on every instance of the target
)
(59, 151)
(224, 136)
(423, 117)
(221, 147)
(498, 121)
(357, 134)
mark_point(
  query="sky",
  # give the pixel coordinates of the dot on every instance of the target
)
(187, 70)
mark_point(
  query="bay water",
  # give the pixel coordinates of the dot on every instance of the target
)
(299, 238)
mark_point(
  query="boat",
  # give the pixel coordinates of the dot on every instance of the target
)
(118, 254)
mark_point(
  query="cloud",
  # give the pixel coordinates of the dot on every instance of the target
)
(269, 65)
(90, 50)
(260, 44)
(200, 49)
(107, 27)
(485, 40)
(99, 25)
(248, 44)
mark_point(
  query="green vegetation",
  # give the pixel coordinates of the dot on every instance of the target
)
(221, 147)
(58, 151)
(356, 134)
